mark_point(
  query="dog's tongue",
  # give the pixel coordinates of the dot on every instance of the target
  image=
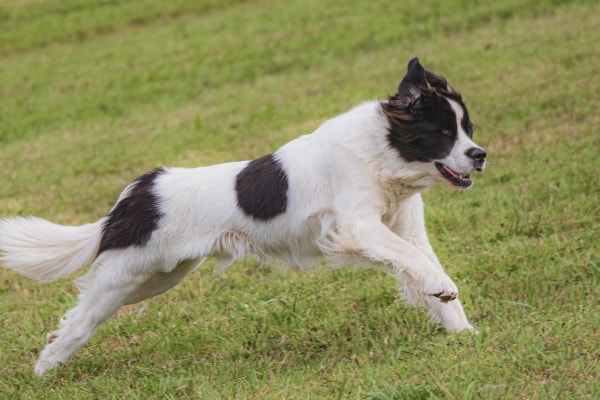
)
(454, 174)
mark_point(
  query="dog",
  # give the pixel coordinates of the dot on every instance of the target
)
(349, 191)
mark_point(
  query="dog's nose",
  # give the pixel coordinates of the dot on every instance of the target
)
(478, 155)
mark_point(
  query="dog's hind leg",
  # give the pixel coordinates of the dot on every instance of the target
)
(101, 296)
(96, 303)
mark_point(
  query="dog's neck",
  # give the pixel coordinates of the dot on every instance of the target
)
(399, 188)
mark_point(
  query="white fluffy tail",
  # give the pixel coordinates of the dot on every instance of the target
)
(46, 251)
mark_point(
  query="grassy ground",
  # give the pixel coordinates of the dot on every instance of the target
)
(94, 93)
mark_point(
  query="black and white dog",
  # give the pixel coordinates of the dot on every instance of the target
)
(349, 191)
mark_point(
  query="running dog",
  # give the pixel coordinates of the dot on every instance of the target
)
(349, 191)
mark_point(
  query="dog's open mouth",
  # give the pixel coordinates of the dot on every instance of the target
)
(462, 181)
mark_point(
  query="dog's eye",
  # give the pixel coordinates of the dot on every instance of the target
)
(447, 132)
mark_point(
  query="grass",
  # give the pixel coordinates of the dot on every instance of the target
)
(97, 92)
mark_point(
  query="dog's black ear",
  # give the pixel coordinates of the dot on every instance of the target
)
(438, 82)
(414, 81)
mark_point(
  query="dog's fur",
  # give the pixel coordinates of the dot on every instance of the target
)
(348, 191)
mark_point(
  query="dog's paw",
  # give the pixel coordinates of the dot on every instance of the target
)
(442, 287)
(53, 355)
(44, 366)
(461, 327)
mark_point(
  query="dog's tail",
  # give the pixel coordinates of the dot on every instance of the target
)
(46, 251)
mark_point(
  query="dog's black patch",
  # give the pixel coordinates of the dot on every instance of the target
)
(261, 188)
(422, 131)
(422, 122)
(135, 217)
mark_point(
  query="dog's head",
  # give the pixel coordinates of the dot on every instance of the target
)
(429, 123)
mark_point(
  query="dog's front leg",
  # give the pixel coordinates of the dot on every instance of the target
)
(424, 281)
(409, 223)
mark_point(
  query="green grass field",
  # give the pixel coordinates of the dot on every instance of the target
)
(94, 93)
